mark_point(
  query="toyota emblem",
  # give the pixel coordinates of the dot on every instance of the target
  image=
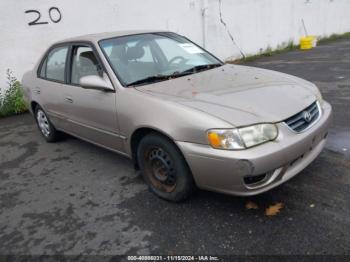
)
(307, 116)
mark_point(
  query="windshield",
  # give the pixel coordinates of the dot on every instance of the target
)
(147, 58)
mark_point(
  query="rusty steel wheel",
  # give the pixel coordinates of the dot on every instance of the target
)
(160, 169)
(164, 168)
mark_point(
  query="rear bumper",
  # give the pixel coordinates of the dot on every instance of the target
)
(275, 162)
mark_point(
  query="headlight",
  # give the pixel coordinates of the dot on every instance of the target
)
(241, 138)
(258, 134)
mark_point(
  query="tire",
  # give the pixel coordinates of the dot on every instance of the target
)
(164, 168)
(45, 126)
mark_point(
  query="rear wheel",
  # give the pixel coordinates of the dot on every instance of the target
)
(164, 168)
(45, 126)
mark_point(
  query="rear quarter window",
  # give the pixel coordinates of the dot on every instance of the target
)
(42, 73)
(53, 67)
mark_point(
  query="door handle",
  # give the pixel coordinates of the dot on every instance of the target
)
(69, 99)
(36, 91)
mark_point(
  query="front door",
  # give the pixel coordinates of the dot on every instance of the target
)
(92, 113)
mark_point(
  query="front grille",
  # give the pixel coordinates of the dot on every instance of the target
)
(302, 120)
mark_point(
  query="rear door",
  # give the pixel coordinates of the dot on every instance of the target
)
(92, 113)
(49, 87)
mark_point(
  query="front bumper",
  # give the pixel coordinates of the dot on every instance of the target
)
(227, 171)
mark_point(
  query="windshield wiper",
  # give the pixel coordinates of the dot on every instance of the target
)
(158, 78)
(199, 68)
(150, 79)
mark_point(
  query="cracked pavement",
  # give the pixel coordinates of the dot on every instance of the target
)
(74, 198)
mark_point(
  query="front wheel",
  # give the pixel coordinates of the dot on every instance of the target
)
(164, 168)
(45, 126)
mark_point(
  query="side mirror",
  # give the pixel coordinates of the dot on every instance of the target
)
(95, 82)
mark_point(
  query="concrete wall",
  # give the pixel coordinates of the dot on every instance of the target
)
(228, 28)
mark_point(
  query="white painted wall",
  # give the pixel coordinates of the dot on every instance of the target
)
(253, 24)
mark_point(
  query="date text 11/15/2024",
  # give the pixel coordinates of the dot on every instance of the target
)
(173, 258)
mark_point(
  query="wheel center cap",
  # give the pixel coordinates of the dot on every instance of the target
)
(160, 169)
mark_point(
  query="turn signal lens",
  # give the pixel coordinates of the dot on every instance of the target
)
(214, 139)
(225, 139)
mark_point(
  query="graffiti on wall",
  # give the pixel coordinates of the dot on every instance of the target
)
(54, 13)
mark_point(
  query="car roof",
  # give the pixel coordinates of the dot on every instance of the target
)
(99, 36)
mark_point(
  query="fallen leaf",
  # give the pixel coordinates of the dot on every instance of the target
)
(274, 209)
(251, 205)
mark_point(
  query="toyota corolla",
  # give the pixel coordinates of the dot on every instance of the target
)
(185, 118)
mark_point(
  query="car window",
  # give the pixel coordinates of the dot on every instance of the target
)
(178, 52)
(55, 65)
(84, 63)
(147, 56)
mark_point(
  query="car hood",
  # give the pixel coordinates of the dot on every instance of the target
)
(240, 95)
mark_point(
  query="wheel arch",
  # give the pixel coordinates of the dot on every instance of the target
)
(140, 133)
(33, 105)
